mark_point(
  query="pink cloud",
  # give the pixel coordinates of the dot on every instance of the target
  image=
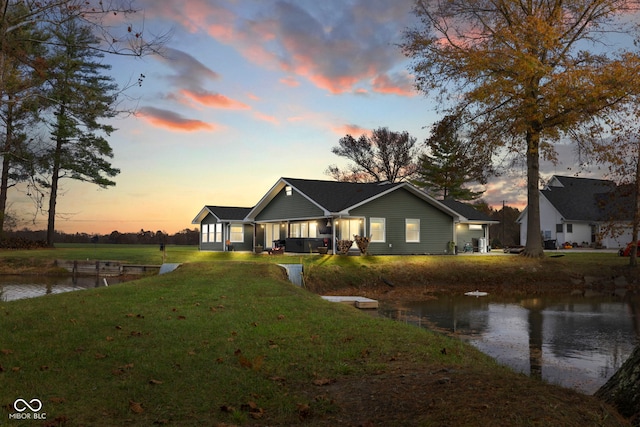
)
(351, 129)
(290, 81)
(211, 99)
(266, 118)
(173, 121)
(335, 48)
(402, 85)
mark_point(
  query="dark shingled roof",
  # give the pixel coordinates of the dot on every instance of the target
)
(228, 213)
(336, 196)
(577, 199)
(467, 210)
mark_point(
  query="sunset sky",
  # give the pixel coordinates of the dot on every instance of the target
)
(248, 92)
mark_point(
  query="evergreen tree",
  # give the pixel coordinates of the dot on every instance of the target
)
(79, 95)
(448, 165)
(20, 52)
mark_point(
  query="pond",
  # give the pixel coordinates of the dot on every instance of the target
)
(13, 287)
(575, 341)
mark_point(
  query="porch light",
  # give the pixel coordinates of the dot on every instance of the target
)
(329, 222)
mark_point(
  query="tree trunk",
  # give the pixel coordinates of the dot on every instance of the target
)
(6, 165)
(623, 389)
(53, 194)
(633, 256)
(533, 248)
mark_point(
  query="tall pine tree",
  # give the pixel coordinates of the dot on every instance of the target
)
(79, 96)
(449, 163)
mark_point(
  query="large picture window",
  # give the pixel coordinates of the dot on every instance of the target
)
(412, 230)
(303, 229)
(236, 233)
(205, 233)
(377, 229)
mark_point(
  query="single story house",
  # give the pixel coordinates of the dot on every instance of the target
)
(585, 211)
(304, 215)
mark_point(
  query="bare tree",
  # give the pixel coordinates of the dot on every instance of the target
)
(385, 156)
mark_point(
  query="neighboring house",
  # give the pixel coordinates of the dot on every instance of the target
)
(580, 210)
(224, 228)
(304, 215)
(473, 228)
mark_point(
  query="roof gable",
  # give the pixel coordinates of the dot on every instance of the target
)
(222, 214)
(468, 211)
(576, 198)
(335, 197)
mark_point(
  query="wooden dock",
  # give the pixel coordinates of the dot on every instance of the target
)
(105, 268)
(358, 302)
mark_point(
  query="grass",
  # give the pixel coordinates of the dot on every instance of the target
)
(225, 340)
(182, 346)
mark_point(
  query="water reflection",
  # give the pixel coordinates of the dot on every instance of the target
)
(13, 287)
(578, 342)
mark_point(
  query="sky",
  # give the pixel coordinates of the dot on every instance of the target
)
(247, 92)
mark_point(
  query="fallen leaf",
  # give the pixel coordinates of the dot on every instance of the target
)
(281, 316)
(109, 338)
(57, 399)
(44, 368)
(100, 356)
(15, 368)
(257, 362)
(257, 414)
(244, 362)
(136, 407)
(323, 381)
(155, 382)
(182, 317)
(6, 351)
(219, 360)
(128, 315)
(304, 410)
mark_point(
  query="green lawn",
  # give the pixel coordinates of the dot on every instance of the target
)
(226, 340)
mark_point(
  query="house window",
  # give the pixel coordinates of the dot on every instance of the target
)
(569, 228)
(236, 233)
(218, 236)
(377, 229)
(558, 228)
(288, 190)
(412, 230)
(205, 231)
(303, 229)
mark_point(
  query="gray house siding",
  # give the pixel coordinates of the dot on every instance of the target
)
(289, 207)
(219, 242)
(436, 227)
